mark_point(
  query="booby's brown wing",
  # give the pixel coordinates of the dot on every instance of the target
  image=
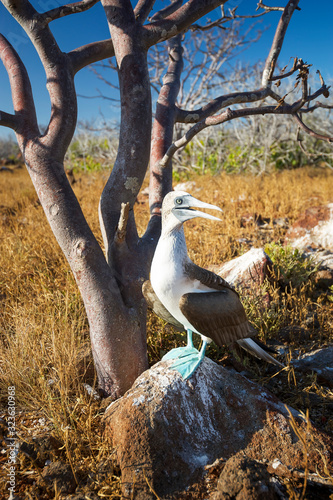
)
(156, 305)
(207, 278)
(219, 314)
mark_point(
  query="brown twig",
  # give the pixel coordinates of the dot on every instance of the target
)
(307, 153)
(232, 16)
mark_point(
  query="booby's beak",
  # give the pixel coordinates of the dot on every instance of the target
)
(184, 208)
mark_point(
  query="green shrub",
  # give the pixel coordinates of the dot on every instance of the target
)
(290, 265)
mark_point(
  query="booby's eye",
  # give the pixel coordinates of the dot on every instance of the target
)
(178, 201)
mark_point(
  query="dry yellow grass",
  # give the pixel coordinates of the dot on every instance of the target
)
(44, 338)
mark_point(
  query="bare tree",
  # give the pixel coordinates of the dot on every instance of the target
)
(110, 283)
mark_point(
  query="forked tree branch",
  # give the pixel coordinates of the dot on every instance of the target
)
(252, 96)
(59, 77)
(229, 114)
(152, 33)
(317, 105)
(296, 66)
(221, 102)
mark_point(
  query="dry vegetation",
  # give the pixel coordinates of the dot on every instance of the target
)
(44, 333)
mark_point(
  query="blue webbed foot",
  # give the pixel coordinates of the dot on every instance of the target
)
(187, 364)
(179, 352)
(187, 359)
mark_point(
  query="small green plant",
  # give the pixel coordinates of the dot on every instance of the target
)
(282, 157)
(290, 265)
(87, 163)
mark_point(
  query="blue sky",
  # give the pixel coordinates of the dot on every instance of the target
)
(309, 36)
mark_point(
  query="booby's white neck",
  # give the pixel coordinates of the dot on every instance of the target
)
(171, 225)
(171, 249)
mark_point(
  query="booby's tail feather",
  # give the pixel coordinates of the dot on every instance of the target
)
(265, 347)
(253, 348)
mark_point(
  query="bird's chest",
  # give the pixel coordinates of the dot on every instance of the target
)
(167, 272)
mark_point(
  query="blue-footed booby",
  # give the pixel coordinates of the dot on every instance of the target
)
(191, 297)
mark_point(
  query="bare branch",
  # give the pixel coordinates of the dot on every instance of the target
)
(25, 119)
(296, 66)
(232, 16)
(161, 180)
(59, 75)
(317, 105)
(303, 77)
(66, 10)
(100, 96)
(218, 103)
(90, 53)
(10, 121)
(142, 10)
(309, 131)
(267, 7)
(166, 11)
(229, 115)
(307, 153)
(278, 41)
(179, 21)
(215, 24)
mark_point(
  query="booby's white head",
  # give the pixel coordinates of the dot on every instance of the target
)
(179, 206)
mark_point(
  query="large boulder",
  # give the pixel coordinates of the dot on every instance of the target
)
(247, 271)
(165, 430)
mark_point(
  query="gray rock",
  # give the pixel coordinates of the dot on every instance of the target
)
(319, 361)
(246, 271)
(313, 228)
(323, 258)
